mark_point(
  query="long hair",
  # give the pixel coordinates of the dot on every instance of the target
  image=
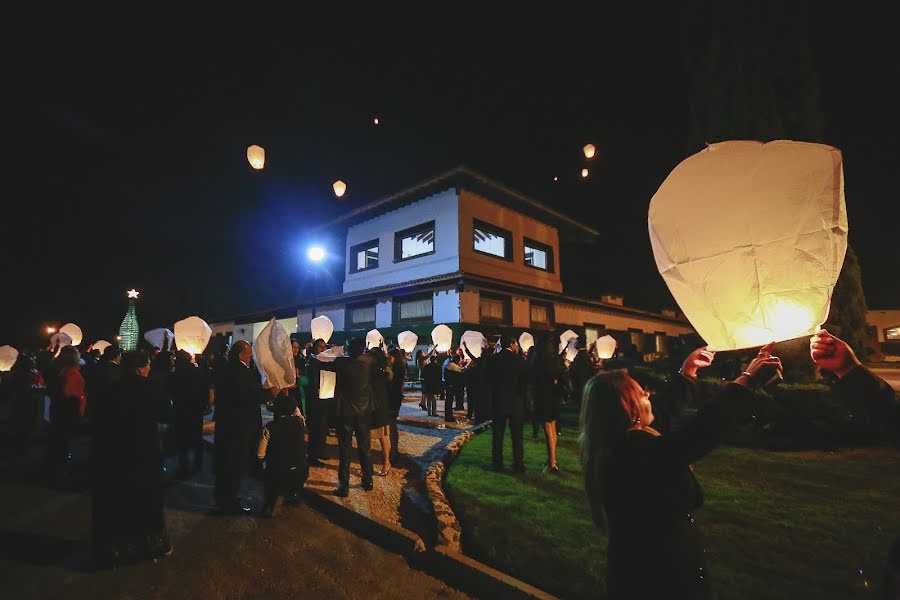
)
(609, 406)
(69, 357)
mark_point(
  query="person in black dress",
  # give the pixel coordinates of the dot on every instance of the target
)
(381, 413)
(128, 521)
(546, 369)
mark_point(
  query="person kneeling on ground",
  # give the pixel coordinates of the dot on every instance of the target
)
(283, 448)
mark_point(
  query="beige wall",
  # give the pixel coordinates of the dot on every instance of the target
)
(521, 312)
(468, 306)
(881, 320)
(579, 315)
(472, 206)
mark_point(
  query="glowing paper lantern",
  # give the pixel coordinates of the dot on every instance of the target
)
(571, 349)
(60, 338)
(442, 336)
(750, 239)
(589, 151)
(256, 156)
(161, 338)
(8, 356)
(100, 346)
(564, 338)
(407, 340)
(327, 382)
(584, 173)
(339, 188)
(606, 346)
(526, 341)
(273, 357)
(73, 331)
(473, 341)
(192, 335)
(321, 328)
(374, 339)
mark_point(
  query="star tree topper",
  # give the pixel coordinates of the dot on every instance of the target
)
(132, 293)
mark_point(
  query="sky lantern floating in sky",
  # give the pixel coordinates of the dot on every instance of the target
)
(584, 173)
(442, 337)
(526, 341)
(589, 151)
(473, 341)
(256, 156)
(192, 335)
(321, 328)
(339, 188)
(161, 338)
(606, 346)
(273, 357)
(750, 238)
(73, 331)
(407, 340)
(8, 357)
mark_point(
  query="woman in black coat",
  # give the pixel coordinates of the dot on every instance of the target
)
(546, 370)
(128, 519)
(639, 482)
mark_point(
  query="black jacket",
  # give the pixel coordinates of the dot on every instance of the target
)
(506, 374)
(354, 386)
(239, 396)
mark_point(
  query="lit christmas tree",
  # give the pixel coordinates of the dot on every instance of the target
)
(128, 330)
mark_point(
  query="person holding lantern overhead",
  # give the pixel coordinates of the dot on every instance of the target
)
(506, 373)
(318, 409)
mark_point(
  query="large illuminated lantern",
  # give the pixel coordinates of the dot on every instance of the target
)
(374, 339)
(8, 357)
(473, 341)
(565, 337)
(192, 335)
(73, 331)
(256, 156)
(60, 339)
(273, 357)
(526, 341)
(750, 239)
(322, 328)
(442, 336)
(100, 346)
(161, 338)
(606, 346)
(407, 340)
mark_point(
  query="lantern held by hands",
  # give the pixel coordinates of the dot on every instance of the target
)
(73, 331)
(750, 239)
(564, 338)
(192, 335)
(8, 357)
(374, 339)
(442, 336)
(606, 346)
(161, 338)
(100, 346)
(526, 341)
(407, 340)
(321, 328)
(61, 339)
(273, 357)
(473, 341)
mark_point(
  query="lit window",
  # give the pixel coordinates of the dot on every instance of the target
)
(364, 256)
(492, 309)
(414, 309)
(538, 256)
(413, 242)
(540, 314)
(892, 333)
(492, 240)
(362, 316)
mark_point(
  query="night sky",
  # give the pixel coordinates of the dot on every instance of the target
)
(126, 162)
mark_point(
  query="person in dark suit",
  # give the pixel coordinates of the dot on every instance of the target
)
(283, 448)
(317, 409)
(238, 424)
(506, 376)
(355, 376)
(190, 392)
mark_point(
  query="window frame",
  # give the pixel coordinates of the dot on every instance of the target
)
(348, 315)
(507, 309)
(409, 232)
(551, 316)
(357, 248)
(498, 231)
(397, 301)
(551, 264)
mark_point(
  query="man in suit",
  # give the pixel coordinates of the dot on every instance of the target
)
(238, 425)
(506, 379)
(317, 409)
(354, 403)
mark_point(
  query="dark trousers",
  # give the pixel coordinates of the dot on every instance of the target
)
(516, 427)
(189, 437)
(233, 448)
(63, 423)
(317, 424)
(459, 394)
(346, 427)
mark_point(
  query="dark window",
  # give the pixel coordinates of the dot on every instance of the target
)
(492, 240)
(494, 309)
(361, 316)
(538, 255)
(413, 242)
(415, 308)
(364, 256)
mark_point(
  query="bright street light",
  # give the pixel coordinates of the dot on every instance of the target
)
(315, 253)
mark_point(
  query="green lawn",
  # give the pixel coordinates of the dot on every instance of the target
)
(778, 525)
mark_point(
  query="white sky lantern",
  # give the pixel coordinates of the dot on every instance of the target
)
(584, 173)
(589, 151)
(407, 340)
(73, 331)
(564, 338)
(750, 239)
(60, 338)
(192, 335)
(339, 188)
(160, 337)
(526, 341)
(571, 349)
(8, 356)
(100, 346)
(321, 328)
(256, 156)
(442, 336)
(473, 341)
(374, 339)
(327, 379)
(273, 357)
(606, 346)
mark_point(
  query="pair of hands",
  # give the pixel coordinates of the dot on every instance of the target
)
(764, 361)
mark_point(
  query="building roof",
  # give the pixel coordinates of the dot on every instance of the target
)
(464, 178)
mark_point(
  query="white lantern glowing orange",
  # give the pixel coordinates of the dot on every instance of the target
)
(73, 331)
(589, 151)
(564, 338)
(192, 335)
(407, 340)
(8, 357)
(61, 339)
(526, 341)
(584, 173)
(256, 156)
(322, 328)
(442, 337)
(339, 188)
(474, 340)
(374, 339)
(750, 239)
(100, 346)
(606, 346)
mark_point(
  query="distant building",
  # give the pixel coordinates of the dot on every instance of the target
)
(884, 332)
(463, 250)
